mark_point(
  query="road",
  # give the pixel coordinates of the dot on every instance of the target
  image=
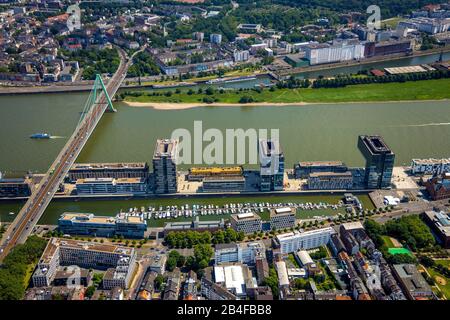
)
(33, 209)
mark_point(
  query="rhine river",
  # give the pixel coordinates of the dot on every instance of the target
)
(312, 132)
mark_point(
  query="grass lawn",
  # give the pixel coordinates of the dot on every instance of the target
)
(445, 263)
(445, 288)
(392, 22)
(413, 90)
(388, 242)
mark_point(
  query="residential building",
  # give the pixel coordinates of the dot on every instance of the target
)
(250, 27)
(302, 170)
(10, 188)
(212, 290)
(330, 181)
(255, 48)
(102, 226)
(245, 252)
(119, 261)
(157, 263)
(379, 161)
(195, 225)
(199, 173)
(190, 287)
(108, 170)
(223, 184)
(262, 269)
(271, 171)
(282, 218)
(172, 288)
(439, 222)
(111, 186)
(241, 55)
(430, 166)
(246, 222)
(294, 241)
(165, 166)
(215, 38)
(412, 282)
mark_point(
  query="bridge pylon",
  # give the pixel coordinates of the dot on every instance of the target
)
(100, 86)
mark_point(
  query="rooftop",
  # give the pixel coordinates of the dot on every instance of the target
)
(103, 166)
(245, 216)
(375, 144)
(165, 148)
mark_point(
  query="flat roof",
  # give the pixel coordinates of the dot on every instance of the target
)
(375, 144)
(165, 148)
(321, 163)
(108, 165)
(245, 216)
(330, 174)
(54, 243)
(282, 211)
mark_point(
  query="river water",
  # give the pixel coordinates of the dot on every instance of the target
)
(312, 132)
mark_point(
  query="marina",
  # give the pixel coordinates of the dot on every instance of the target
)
(308, 207)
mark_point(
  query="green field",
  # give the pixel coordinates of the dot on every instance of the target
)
(387, 241)
(395, 91)
(444, 288)
(392, 22)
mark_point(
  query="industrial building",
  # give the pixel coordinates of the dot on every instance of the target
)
(165, 166)
(111, 186)
(294, 241)
(117, 260)
(438, 187)
(303, 169)
(325, 53)
(282, 218)
(236, 278)
(108, 170)
(439, 222)
(271, 171)
(330, 181)
(102, 226)
(379, 161)
(246, 222)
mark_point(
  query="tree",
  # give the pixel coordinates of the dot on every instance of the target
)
(159, 280)
(171, 263)
(90, 291)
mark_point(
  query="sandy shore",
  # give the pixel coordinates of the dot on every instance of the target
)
(181, 106)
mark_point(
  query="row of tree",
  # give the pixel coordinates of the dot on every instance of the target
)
(343, 81)
(189, 239)
(15, 267)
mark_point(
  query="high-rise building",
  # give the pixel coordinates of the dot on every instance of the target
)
(165, 166)
(271, 159)
(379, 161)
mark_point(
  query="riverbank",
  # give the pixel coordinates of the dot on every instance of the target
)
(393, 57)
(426, 90)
